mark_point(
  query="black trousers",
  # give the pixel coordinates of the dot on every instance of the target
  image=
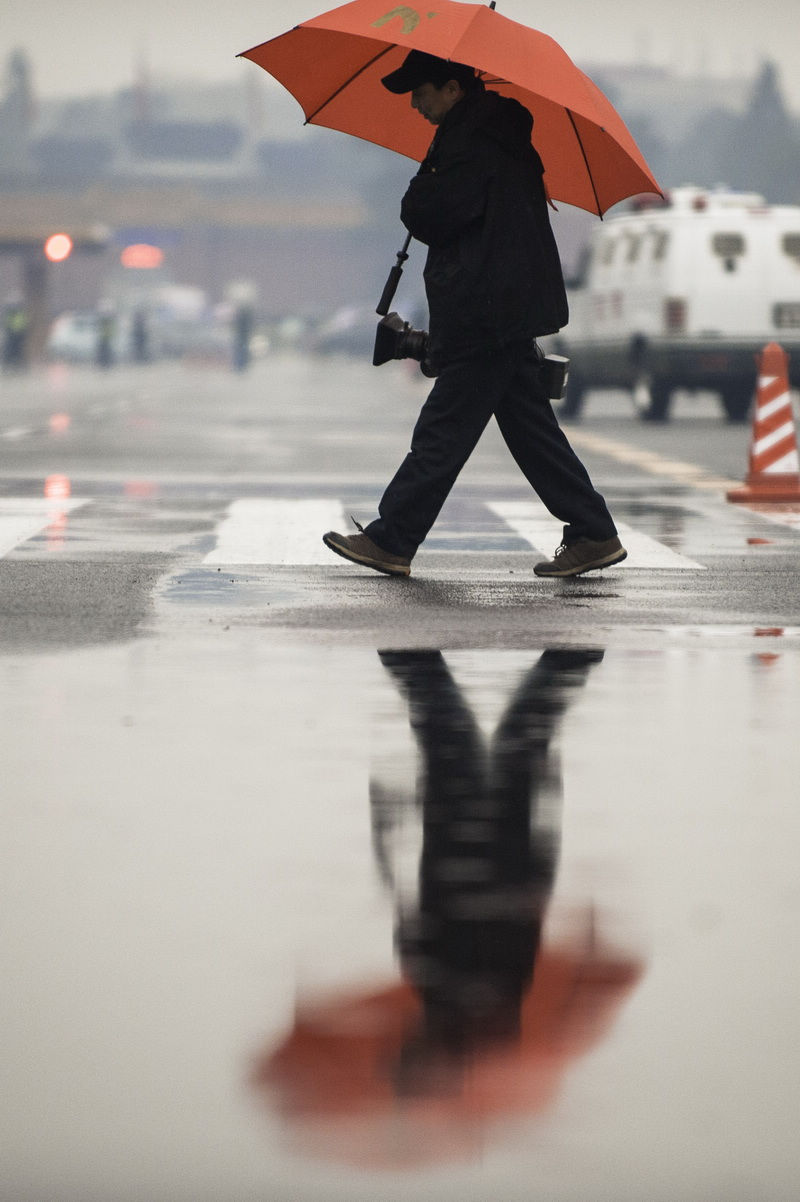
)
(489, 853)
(511, 386)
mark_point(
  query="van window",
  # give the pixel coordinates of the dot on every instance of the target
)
(790, 244)
(634, 241)
(786, 315)
(660, 244)
(729, 248)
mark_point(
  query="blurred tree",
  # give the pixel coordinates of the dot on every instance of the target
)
(654, 146)
(757, 149)
(702, 156)
(763, 152)
(17, 110)
(18, 103)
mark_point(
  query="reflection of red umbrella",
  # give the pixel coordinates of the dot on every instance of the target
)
(334, 1077)
(333, 65)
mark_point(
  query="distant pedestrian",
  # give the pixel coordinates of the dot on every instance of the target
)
(15, 334)
(494, 284)
(140, 338)
(106, 328)
(242, 333)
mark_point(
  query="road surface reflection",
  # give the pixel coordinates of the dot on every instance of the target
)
(487, 1014)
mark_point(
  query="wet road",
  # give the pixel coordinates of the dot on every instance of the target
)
(321, 885)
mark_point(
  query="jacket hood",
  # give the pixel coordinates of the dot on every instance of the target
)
(501, 118)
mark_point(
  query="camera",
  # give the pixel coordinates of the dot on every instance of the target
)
(395, 339)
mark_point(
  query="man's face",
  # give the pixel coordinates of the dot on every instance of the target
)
(435, 103)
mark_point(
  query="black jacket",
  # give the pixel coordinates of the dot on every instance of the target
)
(493, 275)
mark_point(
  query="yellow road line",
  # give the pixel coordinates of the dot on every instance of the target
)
(652, 462)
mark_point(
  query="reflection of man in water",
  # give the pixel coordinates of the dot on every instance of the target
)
(488, 863)
(488, 1017)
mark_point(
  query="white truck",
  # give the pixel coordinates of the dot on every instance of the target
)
(684, 294)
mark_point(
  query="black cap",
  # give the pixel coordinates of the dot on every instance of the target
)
(419, 68)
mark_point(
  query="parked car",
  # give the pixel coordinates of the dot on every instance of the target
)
(74, 336)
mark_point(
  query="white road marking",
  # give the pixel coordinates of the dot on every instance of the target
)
(646, 552)
(784, 516)
(22, 518)
(532, 522)
(277, 531)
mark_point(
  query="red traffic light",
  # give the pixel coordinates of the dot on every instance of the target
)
(58, 247)
(142, 255)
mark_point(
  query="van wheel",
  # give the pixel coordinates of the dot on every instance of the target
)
(736, 400)
(572, 404)
(657, 410)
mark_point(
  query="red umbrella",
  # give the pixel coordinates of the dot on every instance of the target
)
(334, 1077)
(333, 65)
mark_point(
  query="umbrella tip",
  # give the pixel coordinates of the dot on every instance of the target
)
(492, 3)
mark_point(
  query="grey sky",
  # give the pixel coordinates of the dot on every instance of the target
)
(85, 46)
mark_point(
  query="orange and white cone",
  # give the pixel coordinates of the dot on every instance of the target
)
(774, 471)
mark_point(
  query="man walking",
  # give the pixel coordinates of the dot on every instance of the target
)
(493, 282)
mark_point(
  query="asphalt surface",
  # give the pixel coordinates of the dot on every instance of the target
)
(226, 757)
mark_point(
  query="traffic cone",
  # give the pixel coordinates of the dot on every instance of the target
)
(774, 472)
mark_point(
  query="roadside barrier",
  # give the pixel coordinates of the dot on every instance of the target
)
(774, 469)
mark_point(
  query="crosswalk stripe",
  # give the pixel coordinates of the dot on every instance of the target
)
(277, 531)
(646, 552)
(22, 518)
(288, 531)
(531, 521)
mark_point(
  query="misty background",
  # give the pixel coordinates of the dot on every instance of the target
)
(242, 199)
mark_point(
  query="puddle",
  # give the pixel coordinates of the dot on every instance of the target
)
(328, 923)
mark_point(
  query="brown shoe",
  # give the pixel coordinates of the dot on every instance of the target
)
(360, 549)
(582, 556)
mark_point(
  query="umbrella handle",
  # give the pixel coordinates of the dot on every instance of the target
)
(390, 287)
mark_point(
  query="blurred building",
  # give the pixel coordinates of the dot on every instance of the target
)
(227, 183)
(210, 178)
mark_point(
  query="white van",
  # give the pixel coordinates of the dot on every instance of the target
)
(684, 294)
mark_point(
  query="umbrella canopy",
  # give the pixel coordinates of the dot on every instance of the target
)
(333, 65)
(334, 1077)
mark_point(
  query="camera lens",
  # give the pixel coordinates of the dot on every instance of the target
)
(395, 339)
(413, 344)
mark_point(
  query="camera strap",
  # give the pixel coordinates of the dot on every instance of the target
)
(391, 285)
